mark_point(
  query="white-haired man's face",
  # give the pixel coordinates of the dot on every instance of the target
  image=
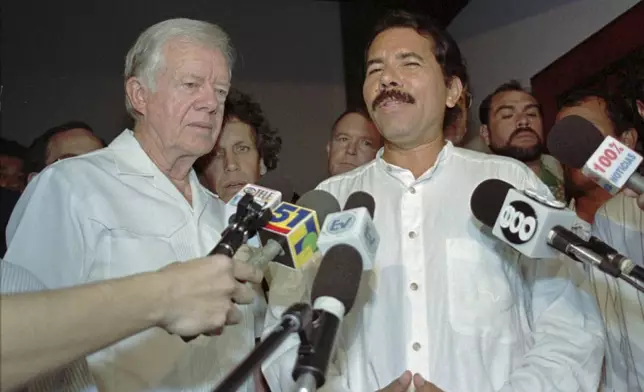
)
(184, 110)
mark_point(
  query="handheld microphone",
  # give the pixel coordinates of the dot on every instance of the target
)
(541, 228)
(517, 219)
(353, 226)
(334, 292)
(291, 236)
(577, 143)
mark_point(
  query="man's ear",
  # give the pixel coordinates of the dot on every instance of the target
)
(454, 91)
(629, 138)
(262, 167)
(484, 132)
(328, 149)
(137, 94)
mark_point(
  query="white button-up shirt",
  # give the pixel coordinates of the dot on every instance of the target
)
(620, 224)
(449, 301)
(113, 213)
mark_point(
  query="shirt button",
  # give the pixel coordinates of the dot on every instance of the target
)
(413, 286)
(412, 234)
(412, 190)
(416, 346)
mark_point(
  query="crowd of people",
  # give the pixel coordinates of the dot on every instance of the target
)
(104, 265)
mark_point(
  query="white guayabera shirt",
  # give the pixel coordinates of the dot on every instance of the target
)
(448, 300)
(113, 213)
(620, 224)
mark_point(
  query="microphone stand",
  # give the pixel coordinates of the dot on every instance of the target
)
(294, 319)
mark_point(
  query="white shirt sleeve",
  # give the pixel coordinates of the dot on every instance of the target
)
(48, 233)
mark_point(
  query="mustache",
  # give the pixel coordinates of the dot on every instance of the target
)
(524, 129)
(394, 94)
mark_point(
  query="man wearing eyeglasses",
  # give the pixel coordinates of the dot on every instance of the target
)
(512, 126)
(355, 140)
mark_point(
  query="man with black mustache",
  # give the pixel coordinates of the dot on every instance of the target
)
(511, 126)
(445, 306)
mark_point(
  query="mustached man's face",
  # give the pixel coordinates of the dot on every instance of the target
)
(404, 88)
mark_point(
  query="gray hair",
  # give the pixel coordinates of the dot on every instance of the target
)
(145, 57)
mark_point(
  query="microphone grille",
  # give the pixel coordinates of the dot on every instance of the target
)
(361, 199)
(323, 203)
(339, 275)
(573, 139)
(487, 200)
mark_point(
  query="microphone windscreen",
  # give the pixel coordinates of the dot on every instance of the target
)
(323, 203)
(573, 139)
(361, 199)
(487, 200)
(277, 182)
(339, 276)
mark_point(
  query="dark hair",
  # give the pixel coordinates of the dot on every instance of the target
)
(446, 50)
(12, 148)
(241, 106)
(616, 108)
(358, 110)
(36, 158)
(639, 90)
(486, 104)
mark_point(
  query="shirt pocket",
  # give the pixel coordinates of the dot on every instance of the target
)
(481, 302)
(140, 239)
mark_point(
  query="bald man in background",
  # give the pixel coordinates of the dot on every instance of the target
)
(355, 140)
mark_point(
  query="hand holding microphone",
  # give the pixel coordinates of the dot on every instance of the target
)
(202, 294)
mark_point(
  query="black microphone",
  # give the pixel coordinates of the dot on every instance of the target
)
(333, 294)
(294, 319)
(540, 228)
(251, 216)
(577, 143)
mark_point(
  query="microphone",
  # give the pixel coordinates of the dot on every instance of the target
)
(577, 143)
(519, 220)
(291, 236)
(294, 319)
(334, 292)
(542, 228)
(353, 226)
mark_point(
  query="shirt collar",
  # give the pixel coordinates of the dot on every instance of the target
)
(132, 160)
(405, 175)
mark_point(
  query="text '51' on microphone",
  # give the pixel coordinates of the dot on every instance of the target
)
(577, 143)
(333, 294)
(541, 228)
(353, 226)
(291, 236)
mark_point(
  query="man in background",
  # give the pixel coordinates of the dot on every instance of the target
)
(12, 175)
(610, 116)
(511, 126)
(66, 140)
(619, 222)
(354, 142)
(247, 148)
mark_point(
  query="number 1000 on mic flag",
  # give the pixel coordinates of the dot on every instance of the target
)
(297, 229)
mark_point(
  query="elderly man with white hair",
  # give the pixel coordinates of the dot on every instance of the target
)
(137, 206)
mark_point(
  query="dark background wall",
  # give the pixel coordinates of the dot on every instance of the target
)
(64, 60)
